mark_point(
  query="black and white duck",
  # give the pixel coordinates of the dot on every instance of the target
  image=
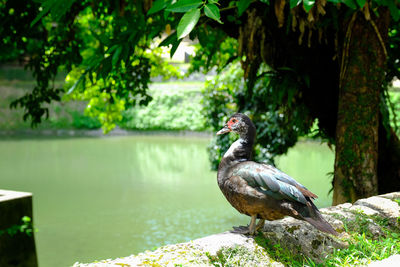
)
(259, 190)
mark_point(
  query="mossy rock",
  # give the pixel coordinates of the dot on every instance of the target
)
(369, 231)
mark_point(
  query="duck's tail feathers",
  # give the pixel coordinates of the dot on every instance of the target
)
(321, 224)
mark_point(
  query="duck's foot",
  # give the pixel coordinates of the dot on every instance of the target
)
(243, 230)
(251, 229)
(260, 225)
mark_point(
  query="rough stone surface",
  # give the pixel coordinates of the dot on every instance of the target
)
(385, 206)
(394, 195)
(297, 237)
(392, 261)
(236, 249)
(301, 238)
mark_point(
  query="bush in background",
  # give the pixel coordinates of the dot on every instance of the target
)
(175, 106)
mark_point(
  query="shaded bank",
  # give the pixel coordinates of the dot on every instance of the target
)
(97, 133)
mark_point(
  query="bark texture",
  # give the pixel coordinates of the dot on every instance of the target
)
(361, 77)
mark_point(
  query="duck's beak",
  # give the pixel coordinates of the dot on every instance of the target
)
(224, 130)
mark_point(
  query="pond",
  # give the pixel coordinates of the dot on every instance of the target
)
(100, 198)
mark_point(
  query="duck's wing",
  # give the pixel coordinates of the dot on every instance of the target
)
(270, 181)
(289, 180)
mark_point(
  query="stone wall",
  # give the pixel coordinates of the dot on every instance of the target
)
(17, 248)
(290, 235)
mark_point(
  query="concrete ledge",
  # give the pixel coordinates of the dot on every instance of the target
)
(19, 249)
(292, 236)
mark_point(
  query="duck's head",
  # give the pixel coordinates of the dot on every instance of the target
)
(241, 124)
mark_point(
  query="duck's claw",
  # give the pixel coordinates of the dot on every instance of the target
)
(244, 230)
(251, 229)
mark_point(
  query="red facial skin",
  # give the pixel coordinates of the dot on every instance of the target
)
(231, 122)
(228, 126)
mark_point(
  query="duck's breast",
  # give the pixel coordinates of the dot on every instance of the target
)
(249, 201)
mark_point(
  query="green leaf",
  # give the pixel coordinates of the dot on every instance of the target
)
(187, 22)
(350, 3)
(169, 40)
(185, 5)
(115, 57)
(394, 10)
(361, 3)
(166, 14)
(308, 4)
(40, 15)
(75, 85)
(213, 1)
(172, 39)
(212, 11)
(242, 6)
(294, 3)
(26, 219)
(55, 7)
(175, 47)
(157, 6)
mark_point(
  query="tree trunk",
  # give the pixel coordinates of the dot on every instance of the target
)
(361, 76)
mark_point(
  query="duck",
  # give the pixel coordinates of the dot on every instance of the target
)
(259, 190)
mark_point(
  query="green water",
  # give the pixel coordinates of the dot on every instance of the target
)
(99, 198)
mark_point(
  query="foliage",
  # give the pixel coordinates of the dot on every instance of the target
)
(105, 46)
(14, 44)
(214, 50)
(46, 54)
(172, 108)
(109, 50)
(175, 106)
(81, 121)
(26, 227)
(394, 110)
(274, 106)
(218, 104)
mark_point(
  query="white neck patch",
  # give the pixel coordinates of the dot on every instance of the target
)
(233, 147)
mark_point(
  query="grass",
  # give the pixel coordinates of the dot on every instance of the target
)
(281, 254)
(363, 248)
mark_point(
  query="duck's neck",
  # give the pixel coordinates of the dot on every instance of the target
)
(241, 150)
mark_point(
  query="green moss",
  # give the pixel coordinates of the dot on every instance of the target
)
(316, 243)
(281, 254)
(240, 256)
(293, 228)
